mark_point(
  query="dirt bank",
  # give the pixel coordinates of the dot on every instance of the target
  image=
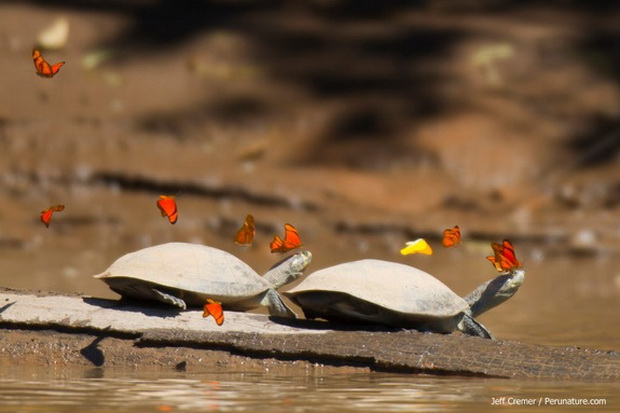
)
(401, 124)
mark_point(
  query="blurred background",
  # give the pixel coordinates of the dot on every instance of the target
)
(365, 124)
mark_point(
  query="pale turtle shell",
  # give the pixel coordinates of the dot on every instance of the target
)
(379, 291)
(192, 272)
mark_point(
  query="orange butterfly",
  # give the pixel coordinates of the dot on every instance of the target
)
(290, 242)
(46, 215)
(168, 207)
(505, 258)
(451, 237)
(214, 308)
(245, 235)
(44, 69)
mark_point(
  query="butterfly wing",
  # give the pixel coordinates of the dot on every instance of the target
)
(277, 245)
(214, 308)
(496, 259)
(46, 217)
(292, 239)
(451, 237)
(55, 68)
(40, 64)
(168, 207)
(419, 246)
(495, 263)
(245, 235)
(508, 255)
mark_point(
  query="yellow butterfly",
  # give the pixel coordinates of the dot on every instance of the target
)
(419, 246)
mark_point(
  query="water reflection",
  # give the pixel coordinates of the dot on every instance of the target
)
(163, 391)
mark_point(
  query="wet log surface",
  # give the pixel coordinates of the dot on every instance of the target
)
(257, 337)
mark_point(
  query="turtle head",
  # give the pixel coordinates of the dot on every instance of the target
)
(494, 292)
(289, 269)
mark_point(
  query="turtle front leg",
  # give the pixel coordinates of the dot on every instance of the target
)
(277, 307)
(468, 325)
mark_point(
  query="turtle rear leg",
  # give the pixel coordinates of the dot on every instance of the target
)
(169, 299)
(470, 326)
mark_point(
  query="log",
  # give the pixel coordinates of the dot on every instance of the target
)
(258, 336)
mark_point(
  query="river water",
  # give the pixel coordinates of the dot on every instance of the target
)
(565, 301)
(163, 391)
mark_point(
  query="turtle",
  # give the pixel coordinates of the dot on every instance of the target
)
(186, 275)
(398, 295)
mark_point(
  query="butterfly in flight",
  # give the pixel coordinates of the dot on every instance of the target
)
(291, 240)
(214, 308)
(168, 207)
(245, 235)
(504, 259)
(451, 236)
(44, 69)
(419, 246)
(46, 215)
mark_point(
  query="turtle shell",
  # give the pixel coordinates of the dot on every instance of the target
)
(379, 292)
(192, 272)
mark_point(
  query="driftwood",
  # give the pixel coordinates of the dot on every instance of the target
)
(258, 336)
